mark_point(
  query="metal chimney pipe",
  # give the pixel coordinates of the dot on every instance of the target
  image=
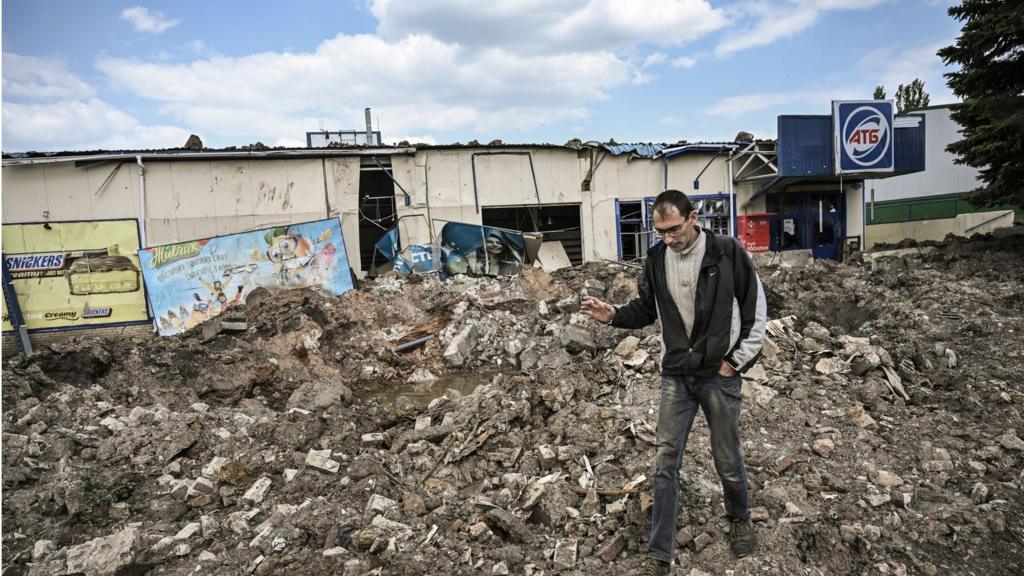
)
(369, 129)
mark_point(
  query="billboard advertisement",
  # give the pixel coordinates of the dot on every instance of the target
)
(482, 250)
(191, 282)
(75, 274)
(863, 131)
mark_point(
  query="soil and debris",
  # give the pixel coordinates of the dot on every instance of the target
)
(882, 432)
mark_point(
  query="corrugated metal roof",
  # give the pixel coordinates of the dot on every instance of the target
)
(642, 150)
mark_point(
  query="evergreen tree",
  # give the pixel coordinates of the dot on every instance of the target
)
(911, 96)
(879, 92)
(990, 54)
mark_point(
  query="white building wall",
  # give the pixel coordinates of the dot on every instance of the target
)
(941, 175)
(187, 200)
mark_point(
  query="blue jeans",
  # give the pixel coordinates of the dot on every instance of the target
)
(719, 398)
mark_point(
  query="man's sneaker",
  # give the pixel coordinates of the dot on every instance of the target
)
(741, 538)
(655, 567)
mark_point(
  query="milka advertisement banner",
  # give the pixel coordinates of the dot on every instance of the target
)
(191, 282)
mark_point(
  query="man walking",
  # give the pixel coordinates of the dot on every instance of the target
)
(712, 308)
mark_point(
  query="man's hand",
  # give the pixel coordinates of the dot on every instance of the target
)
(726, 370)
(601, 311)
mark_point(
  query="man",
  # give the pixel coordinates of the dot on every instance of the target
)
(706, 293)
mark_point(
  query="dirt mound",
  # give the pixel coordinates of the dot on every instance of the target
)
(480, 425)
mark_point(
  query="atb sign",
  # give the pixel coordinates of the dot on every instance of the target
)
(863, 135)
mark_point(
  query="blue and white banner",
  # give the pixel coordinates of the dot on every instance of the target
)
(863, 135)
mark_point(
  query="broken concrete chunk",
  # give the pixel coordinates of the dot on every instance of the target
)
(1011, 441)
(41, 549)
(576, 339)
(636, 359)
(372, 439)
(321, 459)
(500, 569)
(202, 485)
(214, 466)
(611, 550)
(479, 530)
(258, 490)
(884, 478)
(378, 504)
(627, 346)
(566, 552)
(508, 524)
(289, 474)
(823, 447)
(546, 456)
(421, 376)
(876, 500)
(829, 366)
(319, 395)
(461, 348)
(107, 556)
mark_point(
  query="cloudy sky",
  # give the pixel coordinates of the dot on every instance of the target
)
(116, 75)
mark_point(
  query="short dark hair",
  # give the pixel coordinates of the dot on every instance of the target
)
(673, 198)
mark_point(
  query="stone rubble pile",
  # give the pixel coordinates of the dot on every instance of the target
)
(882, 433)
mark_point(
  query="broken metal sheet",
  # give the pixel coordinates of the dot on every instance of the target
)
(552, 256)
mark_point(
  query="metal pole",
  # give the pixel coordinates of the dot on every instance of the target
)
(14, 311)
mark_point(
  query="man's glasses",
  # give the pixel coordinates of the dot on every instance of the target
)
(675, 231)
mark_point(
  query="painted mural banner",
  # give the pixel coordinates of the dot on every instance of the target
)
(413, 259)
(863, 136)
(191, 282)
(481, 250)
(75, 274)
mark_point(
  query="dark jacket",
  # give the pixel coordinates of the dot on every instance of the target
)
(730, 311)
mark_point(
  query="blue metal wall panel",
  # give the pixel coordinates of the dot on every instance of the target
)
(805, 146)
(909, 144)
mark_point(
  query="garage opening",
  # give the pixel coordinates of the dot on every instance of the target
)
(376, 214)
(557, 222)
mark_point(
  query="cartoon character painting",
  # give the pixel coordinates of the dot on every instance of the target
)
(295, 257)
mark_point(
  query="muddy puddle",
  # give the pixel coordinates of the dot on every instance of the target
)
(423, 393)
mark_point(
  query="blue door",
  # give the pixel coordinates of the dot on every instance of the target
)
(807, 221)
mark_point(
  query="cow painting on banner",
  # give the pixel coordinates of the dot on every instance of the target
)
(191, 282)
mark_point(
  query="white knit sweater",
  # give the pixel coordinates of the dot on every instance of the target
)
(681, 272)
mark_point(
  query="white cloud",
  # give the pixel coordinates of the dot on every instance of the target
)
(545, 25)
(902, 64)
(684, 62)
(40, 78)
(795, 102)
(416, 84)
(425, 139)
(764, 22)
(653, 59)
(145, 21)
(81, 125)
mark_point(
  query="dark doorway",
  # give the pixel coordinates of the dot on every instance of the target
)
(376, 215)
(559, 222)
(807, 221)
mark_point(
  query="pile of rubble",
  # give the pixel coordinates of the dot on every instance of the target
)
(484, 426)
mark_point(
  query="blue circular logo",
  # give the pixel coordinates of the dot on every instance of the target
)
(866, 133)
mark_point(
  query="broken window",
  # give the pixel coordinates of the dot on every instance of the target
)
(557, 222)
(713, 213)
(634, 227)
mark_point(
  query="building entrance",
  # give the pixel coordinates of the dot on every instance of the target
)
(807, 221)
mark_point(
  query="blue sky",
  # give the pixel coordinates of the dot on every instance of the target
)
(114, 75)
